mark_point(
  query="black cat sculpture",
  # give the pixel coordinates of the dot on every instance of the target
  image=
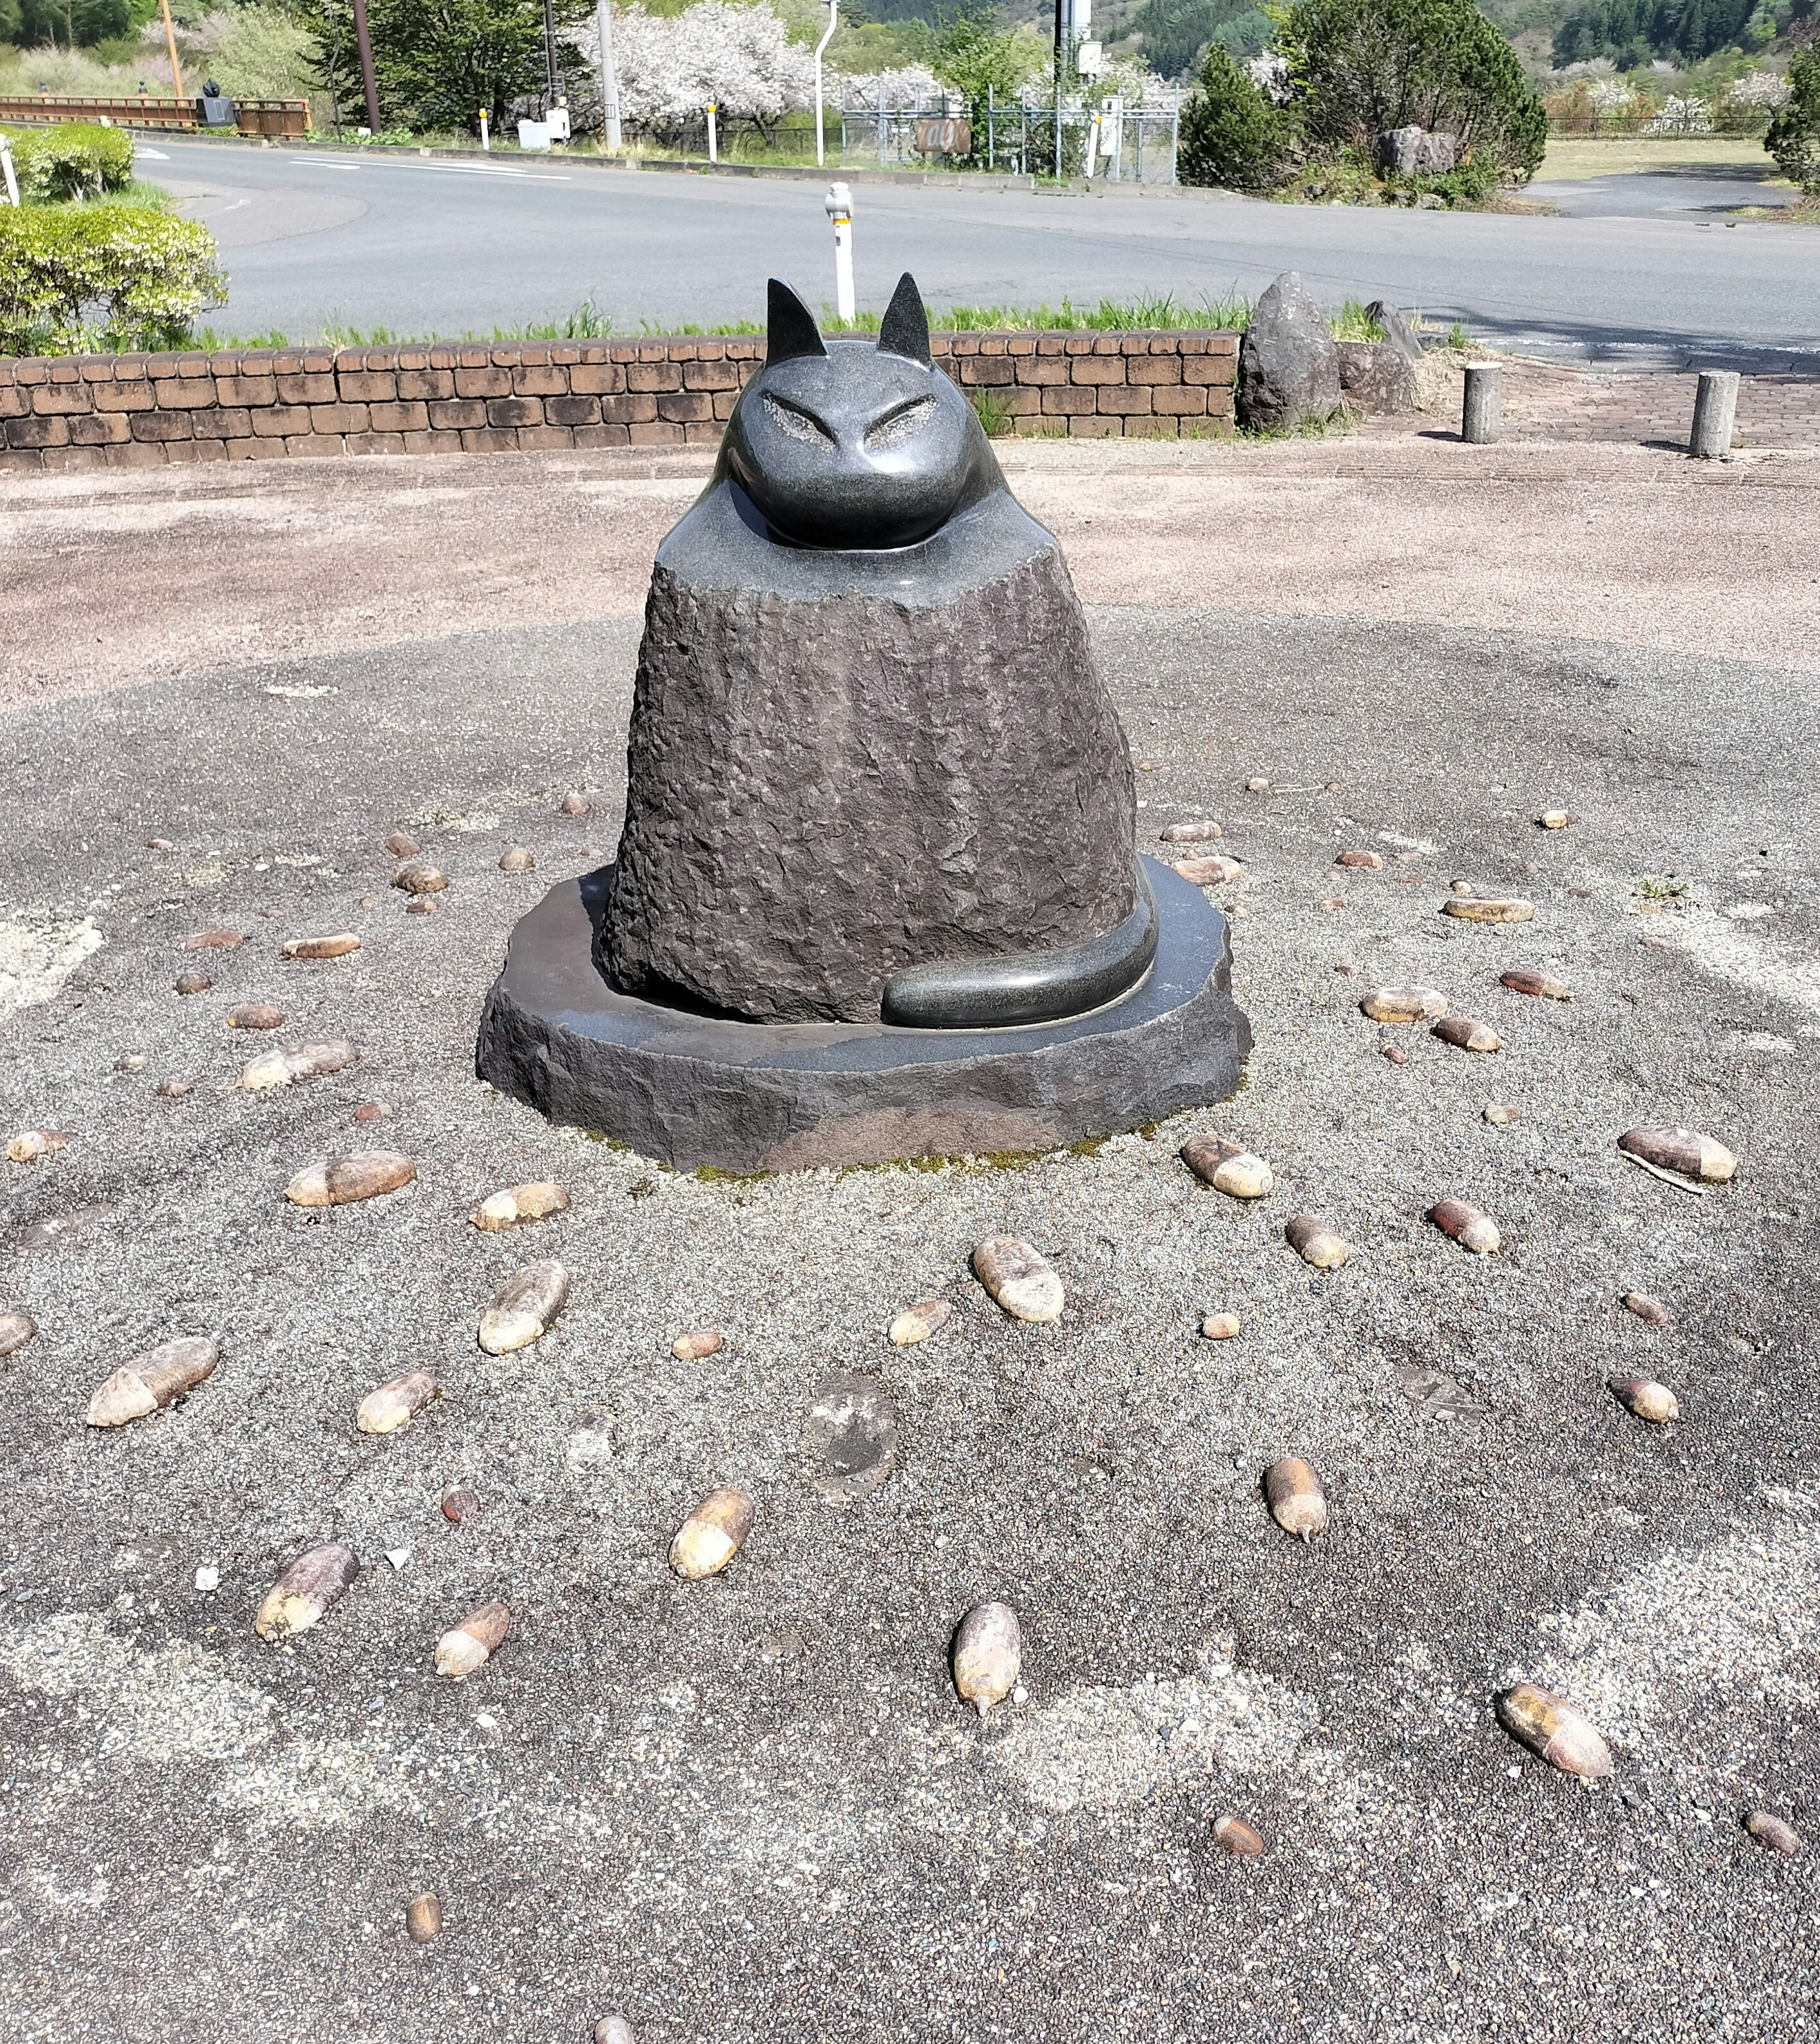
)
(872, 769)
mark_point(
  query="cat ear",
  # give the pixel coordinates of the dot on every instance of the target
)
(790, 326)
(904, 329)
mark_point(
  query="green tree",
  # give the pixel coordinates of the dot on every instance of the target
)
(966, 48)
(1358, 67)
(1794, 136)
(1232, 133)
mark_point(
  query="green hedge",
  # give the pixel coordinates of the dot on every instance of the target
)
(78, 277)
(79, 159)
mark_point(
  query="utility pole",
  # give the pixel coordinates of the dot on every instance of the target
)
(366, 42)
(549, 57)
(833, 19)
(1061, 72)
(170, 44)
(609, 76)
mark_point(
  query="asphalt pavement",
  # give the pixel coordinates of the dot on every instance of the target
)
(416, 245)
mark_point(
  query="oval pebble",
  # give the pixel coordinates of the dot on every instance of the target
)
(1222, 1327)
(460, 1505)
(613, 2029)
(1315, 1243)
(988, 1655)
(1199, 830)
(1687, 1152)
(194, 982)
(1240, 1838)
(418, 876)
(525, 1309)
(1477, 908)
(395, 1404)
(1502, 1117)
(1464, 1034)
(305, 1590)
(1405, 1004)
(1554, 1731)
(1228, 1167)
(401, 845)
(1769, 1830)
(16, 1329)
(152, 1380)
(255, 1014)
(515, 859)
(1530, 979)
(519, 1204)
(1649, 1310)
(698, 1344)
(32, 1146)
(916, 1323)
(470, 1645)
(1556, 819)
(575, 804)
(1297, 1497)
(174, 1089)
(423, 1918)
(271, 1069)
(712, 1534)
(338, 944)
(359, 1174)
(1021, 1280)
(1472, 1228)
(1393, 1053)
(1365, 861)
(213, 940)
(1647, 1398)
(1214, 871)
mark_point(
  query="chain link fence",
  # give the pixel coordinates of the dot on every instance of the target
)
(1120, 144)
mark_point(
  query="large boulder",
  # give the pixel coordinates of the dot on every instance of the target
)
(1416, 152)
(1374, 377)
(1289, 368)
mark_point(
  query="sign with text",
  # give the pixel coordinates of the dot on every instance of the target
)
(944, 137)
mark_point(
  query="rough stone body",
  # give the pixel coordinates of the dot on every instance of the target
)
(1415, 151)
(1375, 377)
(1289, 366)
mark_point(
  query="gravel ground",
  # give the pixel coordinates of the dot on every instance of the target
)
(753, 1807)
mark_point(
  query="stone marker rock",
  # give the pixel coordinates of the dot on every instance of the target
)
(1228, 1167)
(516, 1205)
(1297, 1496)
(423, 1918)
(1689, 1153)
(337, 945)
(1415, 151)
(698, 1344)
(1244, 1840)
(1397, 331)
(1374, 377)
(1770, 1829)
(152, 1380)
(305, 1592)
(988, 1655)
(916, 1323)
(1404, 1003)
(525, 1308)
(470, 1645)
(194, 982)
(395, 1404)
(1551, 1728)
(712, 1534)
(360, 1174)
(1470, 1226)
(1289, 366)
(1020, 1278)
(256, 1014)
(1647, 1398)
(850, 1436)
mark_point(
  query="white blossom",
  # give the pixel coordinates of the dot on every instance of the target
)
(912, 88)
(1609, 95)
(1759, 88)
(1681, 114)
(671, 66)
(1270, 74)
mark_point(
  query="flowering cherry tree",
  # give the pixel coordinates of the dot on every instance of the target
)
(671, 66)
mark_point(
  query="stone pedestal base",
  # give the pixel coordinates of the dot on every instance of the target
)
(693, 1090)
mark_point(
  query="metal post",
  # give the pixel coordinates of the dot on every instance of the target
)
(366, 42)
(713, 137)
(1176, 143)
(170, 44)
(838, 206)
(1481, 416)
(884, 132)
(612, 137)
(991, 156)
(1715, 410)
(1061, 72)
(833, 19)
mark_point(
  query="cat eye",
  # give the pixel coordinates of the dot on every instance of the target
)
(899, 425)
(799, 425)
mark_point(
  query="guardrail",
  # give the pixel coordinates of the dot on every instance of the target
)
(286, 118)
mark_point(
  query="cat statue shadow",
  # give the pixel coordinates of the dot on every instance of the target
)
(873, 773)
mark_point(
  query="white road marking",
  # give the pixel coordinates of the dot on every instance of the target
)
(455, 169)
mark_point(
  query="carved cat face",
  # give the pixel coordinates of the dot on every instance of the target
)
(848, 444)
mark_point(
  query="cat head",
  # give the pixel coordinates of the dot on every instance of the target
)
(849, 444)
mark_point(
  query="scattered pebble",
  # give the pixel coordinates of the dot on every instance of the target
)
(1464, 1034)
(1405, 1004)
(850, 1436)
(519, 1204)
(1257, 785)
(988, 1655)
(1769, 1830)
(1647, 1398)
(1554, 1731)
(174, 1089)
(372, 1110)
(401, 845)
(1471, 908)
(208, 1579)
(1330, 902)
(301, 1596)
(134, 1061)
(16, 1329)
(1395, 1052)
(213, 940)
(1686, 1152)
(613, 2029)
(1649, 1309)
(1472, 1228)
(336, 946)
(574, 804)
(151, 1381)
(525, 1309)
(417, 876)
(1214, 871)
(1297, 1497)
(712, 1535)
(1199, 830)
(460, 1506)
(160, 844)
(916, 1323)
(32, 1145)
(1022, 1280)
(255, 1014)
(1315, 1243)
(697, 1345)
(368, 901)
(360, 1174)
(1239, 1837)
(397, 1404)
(1222, 1327)
(1228, 1167)
(471, 1644)
(423, 1917)
(1502, 1117)
(1556, 819)
(194, 982)
(308, 1061)
(515, 859)
(1527, 979)
(1369, 861)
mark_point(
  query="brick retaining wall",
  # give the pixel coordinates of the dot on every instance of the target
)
(132, 411)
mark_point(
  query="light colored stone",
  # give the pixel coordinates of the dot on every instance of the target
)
(613, 2029)
(470, 1645)
(1464, 1034)
(1553, 1730)
(401, 845)
(423, 1918)
(271, 1069)
(151, 1381)
(1556, 819)
(1689, 1153)
(1367, 862)
(1472, 1228)
(1222, 1327)
(1315, 1243)
(988, 1655)
(255, 1014)
(515, 859)
(1022, 1280)
(1228, 1167)
(16, 1329)
(712, 1534)
(360, 1174)
(397, 1404)
(1394, 1053)
(1199, 830)
(1404, 1003)
(1771, 1830)
(525, 1308)
(305, 1592)
(1240, 1838)
(418, 876)
(194, 982)
(1502, 1117)
(1647, 1398)
(1297, 1497)
(1652, 1310)
(1214, 871)
(32, 1146)
(916, 1323)
(517, 1205)
(1471, 908)
(174, 1089)
(1530, 979)
(337, 945)
(134, 1061)
(574, 804)
(213, 940)
(698, 1344)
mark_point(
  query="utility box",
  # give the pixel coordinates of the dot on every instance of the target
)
(557, 121)
(533, 134)
(214, 109)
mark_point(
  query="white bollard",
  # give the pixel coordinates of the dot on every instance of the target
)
(12, 175)
(1092, 147)
(485, 140)
(1715, 410)
(713, 137)
(838, 206)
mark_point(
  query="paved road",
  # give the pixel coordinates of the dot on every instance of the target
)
(416, 245)
(1642, 194)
